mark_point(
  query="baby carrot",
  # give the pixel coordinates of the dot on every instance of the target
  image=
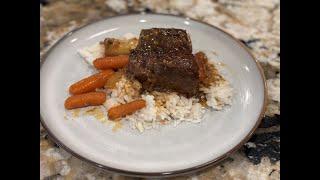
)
(91, 83)
(83, 100)
(125, 109)
(111, 62)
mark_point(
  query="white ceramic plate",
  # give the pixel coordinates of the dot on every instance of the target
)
(167, 151)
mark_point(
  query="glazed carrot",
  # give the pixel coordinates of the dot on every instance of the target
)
(83, 100)
(91, 83)
(111, 62)
(201, 60)
(125, 109)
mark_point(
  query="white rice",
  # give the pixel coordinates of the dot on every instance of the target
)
(92, 52)
(161, 108)
(218, 95)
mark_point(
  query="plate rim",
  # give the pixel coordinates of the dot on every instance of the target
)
(185, 171)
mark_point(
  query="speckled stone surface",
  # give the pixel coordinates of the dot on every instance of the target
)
(254, 22)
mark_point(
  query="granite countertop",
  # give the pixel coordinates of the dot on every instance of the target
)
(256, 23)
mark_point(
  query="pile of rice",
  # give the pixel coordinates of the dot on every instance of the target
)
(162, 107)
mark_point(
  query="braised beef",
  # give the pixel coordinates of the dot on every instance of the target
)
(163, 61)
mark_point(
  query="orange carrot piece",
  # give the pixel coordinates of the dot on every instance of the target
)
(111, 62)
(125, 109)
(83, 100)
(91, 83)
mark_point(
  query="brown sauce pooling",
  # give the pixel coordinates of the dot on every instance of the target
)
(208, 73)
(213, 75)
(202, 99)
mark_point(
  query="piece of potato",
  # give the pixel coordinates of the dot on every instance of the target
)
(114, 47)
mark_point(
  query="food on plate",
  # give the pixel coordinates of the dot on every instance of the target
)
(114, 47)
(164, 39)
(151, 81)
(114, 78)
(84, 100)
(201, 61)
(111, 62)
(163, 61)
(125, 109)
(91, 83)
